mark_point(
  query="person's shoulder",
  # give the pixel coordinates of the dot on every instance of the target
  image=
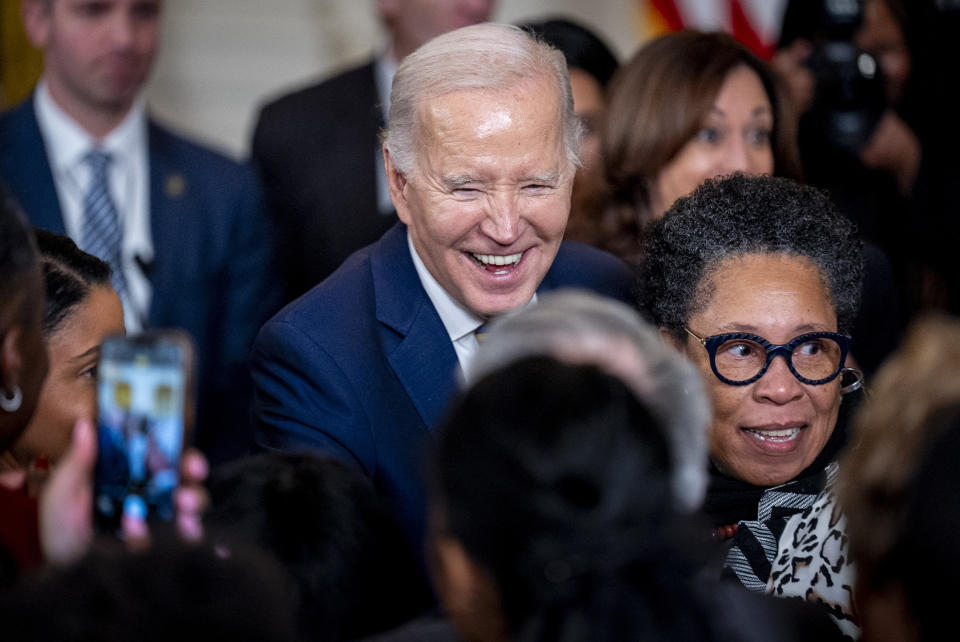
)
(580, 265)
(304, 101)
(342, 300)
(14, 113)
(14, 119)
(583, 252)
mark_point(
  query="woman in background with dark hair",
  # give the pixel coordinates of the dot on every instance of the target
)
(81, 309)
(687, 107)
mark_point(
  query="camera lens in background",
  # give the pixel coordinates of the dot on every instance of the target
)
(850, 96)
(841, 18)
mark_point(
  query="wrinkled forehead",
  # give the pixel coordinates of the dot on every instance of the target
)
(489, 110)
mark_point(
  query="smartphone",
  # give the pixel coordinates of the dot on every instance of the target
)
(144, 419)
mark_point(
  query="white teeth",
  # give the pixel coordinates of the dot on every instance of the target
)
(775, 435)
(496, 259)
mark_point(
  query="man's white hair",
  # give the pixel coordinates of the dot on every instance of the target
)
(487, 56)
(584, 328)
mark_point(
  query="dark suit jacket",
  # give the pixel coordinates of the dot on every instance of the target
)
(361, 367)
(213, 273)
(316, 151)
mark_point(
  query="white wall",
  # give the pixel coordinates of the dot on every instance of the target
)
(221, 59)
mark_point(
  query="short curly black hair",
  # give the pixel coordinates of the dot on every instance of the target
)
(739, 215)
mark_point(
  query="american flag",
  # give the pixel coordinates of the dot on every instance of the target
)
(755, 23)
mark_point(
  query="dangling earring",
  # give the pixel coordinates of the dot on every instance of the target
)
(11, 403)
(854, 385)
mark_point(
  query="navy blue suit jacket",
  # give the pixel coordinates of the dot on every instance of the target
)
(361, 366)
(213, 273)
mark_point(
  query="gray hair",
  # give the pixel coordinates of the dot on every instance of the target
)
(733, 216)
(487, 56)
(584, 328)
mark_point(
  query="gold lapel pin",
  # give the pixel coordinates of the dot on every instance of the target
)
(176, 185)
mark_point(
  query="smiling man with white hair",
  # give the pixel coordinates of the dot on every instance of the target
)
(480, 159)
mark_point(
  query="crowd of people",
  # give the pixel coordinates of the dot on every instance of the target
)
(569, 349)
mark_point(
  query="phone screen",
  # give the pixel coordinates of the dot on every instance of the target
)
(141, 396)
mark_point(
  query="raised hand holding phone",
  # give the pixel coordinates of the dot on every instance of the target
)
(66, 505)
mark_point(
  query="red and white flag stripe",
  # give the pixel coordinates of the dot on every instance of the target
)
(755, 23)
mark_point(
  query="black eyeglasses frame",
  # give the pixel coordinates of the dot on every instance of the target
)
(712, 343)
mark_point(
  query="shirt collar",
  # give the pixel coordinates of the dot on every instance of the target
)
(130, 135)
(457, 320)
(70, 142)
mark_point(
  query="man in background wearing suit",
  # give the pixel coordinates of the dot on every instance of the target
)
(480, 158)
(318, 149)
(182, 226)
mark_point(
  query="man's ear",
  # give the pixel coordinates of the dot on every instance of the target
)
(36, 15)
(397, 183)
(671, 339)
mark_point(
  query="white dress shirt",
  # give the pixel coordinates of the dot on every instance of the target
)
(67, 144)
(461, 324)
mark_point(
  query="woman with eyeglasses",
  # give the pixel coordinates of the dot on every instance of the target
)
(757, 281)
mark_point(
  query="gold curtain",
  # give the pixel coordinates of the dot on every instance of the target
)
(20, 63)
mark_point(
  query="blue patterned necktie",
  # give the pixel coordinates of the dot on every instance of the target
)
(101, 233)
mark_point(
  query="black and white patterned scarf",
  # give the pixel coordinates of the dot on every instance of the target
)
(754, 546)
(761, 514)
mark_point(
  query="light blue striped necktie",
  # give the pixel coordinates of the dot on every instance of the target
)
(101, 233)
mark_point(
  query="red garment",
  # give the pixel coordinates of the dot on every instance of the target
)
(19, 528)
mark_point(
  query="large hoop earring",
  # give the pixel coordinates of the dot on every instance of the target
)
(11, 403)
(854, 385)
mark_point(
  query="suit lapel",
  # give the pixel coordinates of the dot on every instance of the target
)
(419, 351)
(26, 169)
